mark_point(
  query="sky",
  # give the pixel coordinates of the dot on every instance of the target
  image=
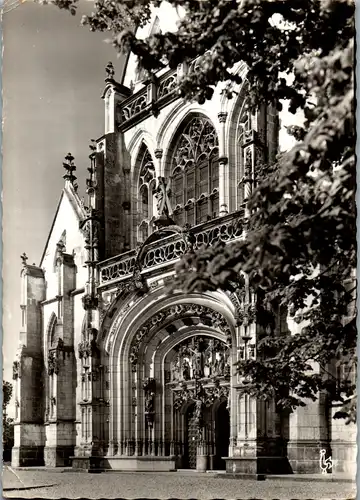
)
(53, 76)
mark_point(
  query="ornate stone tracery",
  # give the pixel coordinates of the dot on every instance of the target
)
(244, 301)
(200, 357)
(198, 138)
(207, 395)
(177, 311)
(195, 173)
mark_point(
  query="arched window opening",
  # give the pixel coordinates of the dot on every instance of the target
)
(195, 173)
(190, 184)
(214, 168)
(145, 195)
(144, 202)
(203, 180)
(178, 181)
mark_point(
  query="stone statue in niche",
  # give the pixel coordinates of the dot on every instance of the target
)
(221, 365)
(186, 370)
(208, 366)
(149, 387)
(53, 363)
(162, 194)
(176, 369)
(196, 362)
(209, 359)
(149, 402)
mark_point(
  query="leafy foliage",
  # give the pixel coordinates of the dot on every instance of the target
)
(8, 423)
(300, 249)
(7, 393)
(8, 435)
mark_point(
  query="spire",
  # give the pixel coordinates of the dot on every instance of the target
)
(110, 71)
(69, 167)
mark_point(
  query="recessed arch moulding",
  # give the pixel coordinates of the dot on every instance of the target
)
(142, 340)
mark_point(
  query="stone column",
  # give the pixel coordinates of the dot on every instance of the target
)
(223, 170)
(159, 173)
(29, 435)
(60, 428)
(260, 446)
(159, 167)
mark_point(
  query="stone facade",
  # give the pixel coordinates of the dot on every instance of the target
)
(112, 371)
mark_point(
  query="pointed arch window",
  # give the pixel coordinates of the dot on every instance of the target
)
(195, 173)
(145, 196)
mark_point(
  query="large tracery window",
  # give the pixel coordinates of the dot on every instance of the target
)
(145, 194)
(195, 174)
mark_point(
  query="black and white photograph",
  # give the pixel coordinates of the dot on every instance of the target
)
(179, 249)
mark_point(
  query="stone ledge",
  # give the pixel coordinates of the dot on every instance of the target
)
(255, 466)
(124, 463)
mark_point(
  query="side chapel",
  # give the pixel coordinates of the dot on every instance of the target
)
(111, 371)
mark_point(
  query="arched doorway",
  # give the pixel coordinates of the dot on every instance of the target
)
(199, 387)
(212, 435)
(222, 435)
(191, 439)
(181, 354)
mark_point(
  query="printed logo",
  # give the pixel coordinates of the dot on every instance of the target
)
(326, 464)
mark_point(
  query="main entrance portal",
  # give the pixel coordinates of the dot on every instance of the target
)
(199, 389)
(213, 438)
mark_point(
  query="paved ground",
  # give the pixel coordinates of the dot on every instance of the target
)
(53, 484)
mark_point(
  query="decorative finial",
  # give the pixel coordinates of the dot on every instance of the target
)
(24, 258)
(70, 167)
(92, 145)
(110, 72)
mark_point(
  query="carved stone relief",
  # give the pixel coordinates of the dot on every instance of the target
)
(200, 357)
(176, 311)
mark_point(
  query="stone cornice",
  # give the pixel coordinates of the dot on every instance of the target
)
(57, 298)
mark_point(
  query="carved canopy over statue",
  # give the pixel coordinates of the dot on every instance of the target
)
(200, 357)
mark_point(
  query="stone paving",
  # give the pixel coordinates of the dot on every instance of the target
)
(66, 484)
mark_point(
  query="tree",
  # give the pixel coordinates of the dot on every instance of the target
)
(7, 393)
(8, 423)
(300, 246)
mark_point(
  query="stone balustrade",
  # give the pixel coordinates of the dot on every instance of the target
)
(155, 94)
(167, 250)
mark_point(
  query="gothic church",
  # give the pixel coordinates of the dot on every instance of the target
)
(112, 372)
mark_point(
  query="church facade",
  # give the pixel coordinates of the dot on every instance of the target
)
(112, 371)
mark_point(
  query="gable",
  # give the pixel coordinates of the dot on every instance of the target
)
(65, 229)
